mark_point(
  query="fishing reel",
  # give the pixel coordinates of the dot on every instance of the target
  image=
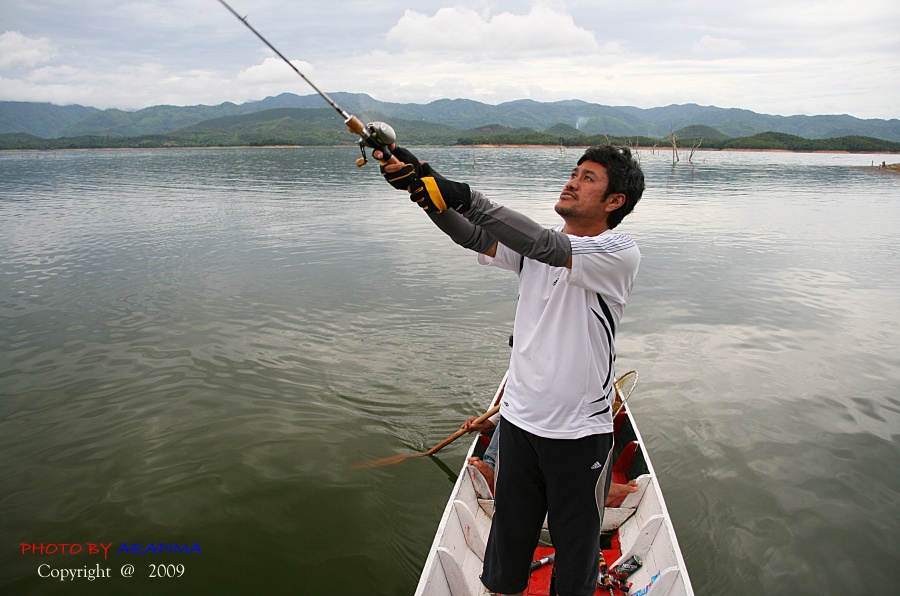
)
(377, 135)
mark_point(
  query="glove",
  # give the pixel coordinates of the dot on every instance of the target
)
(411, 170)
(435, 193)
(431, 191)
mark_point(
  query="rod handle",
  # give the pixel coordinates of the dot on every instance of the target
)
(355, 125)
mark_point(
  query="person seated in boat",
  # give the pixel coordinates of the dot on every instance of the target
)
(574, 281)
(487, 465)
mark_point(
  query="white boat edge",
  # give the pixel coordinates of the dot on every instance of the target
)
(454, 561)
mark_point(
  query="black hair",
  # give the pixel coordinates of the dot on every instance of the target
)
(625, 176)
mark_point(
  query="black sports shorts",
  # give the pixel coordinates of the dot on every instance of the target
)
(553, 477)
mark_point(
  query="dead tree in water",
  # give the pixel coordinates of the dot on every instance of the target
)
(694, 147)
(695, 143)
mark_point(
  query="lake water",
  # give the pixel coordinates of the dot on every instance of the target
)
(197, 346)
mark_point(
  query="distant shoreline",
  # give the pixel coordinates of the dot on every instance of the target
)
(687, 149)
(478, 146)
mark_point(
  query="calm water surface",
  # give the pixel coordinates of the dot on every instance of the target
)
(199, 345)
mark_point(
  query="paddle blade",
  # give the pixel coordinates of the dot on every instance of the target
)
(387, 461)
(396, 459)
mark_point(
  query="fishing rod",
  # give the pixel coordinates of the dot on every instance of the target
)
(377, 135)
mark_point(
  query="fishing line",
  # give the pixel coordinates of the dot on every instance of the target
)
(377, 135)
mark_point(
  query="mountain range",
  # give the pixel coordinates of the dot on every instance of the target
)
(444, 120)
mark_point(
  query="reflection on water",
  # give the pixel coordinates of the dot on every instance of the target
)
(199, 345)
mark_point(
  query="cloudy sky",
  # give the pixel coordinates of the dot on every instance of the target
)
(771, 56)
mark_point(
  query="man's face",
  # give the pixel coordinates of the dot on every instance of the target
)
(583, 195)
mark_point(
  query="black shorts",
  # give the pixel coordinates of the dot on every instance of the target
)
(559, 478)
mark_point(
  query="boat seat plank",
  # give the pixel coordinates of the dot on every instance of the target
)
(474, 540)
(633, 500)
(664, 583)
(479, 483)
(615, 515)
(641, 546)
(453, 573)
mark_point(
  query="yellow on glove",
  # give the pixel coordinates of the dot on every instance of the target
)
(428, 195)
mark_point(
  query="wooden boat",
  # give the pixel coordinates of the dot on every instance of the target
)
(637, 532)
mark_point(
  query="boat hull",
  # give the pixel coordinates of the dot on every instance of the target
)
(639, 526)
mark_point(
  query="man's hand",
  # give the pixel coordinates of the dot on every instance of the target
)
(434, 194)
(428, 189)
(400, 175)
(470, 426)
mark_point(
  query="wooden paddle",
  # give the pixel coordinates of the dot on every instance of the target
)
(624, 386)
(396, 459)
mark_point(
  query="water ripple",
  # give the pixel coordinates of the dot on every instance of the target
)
(198, 346)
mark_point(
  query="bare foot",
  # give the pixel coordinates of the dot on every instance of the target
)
(485, 470)
(618, 492)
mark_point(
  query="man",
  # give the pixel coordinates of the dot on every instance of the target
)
(574, 281)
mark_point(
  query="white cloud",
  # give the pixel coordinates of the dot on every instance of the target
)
(125, 87)
(273, 71)
(786, 86)
(718, 46)
(463, 29)
(183, 14)
(777, 56)
(496, 79)
(138, 86)
(19, 51)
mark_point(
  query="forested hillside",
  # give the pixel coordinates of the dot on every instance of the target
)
(49, 121)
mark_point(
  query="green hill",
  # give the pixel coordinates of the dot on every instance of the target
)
(46, 120)
(564, 131)
(700, 131)
(497, 130)
(39, 119)
(149, 121)
(323, 126)
(775, 140)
